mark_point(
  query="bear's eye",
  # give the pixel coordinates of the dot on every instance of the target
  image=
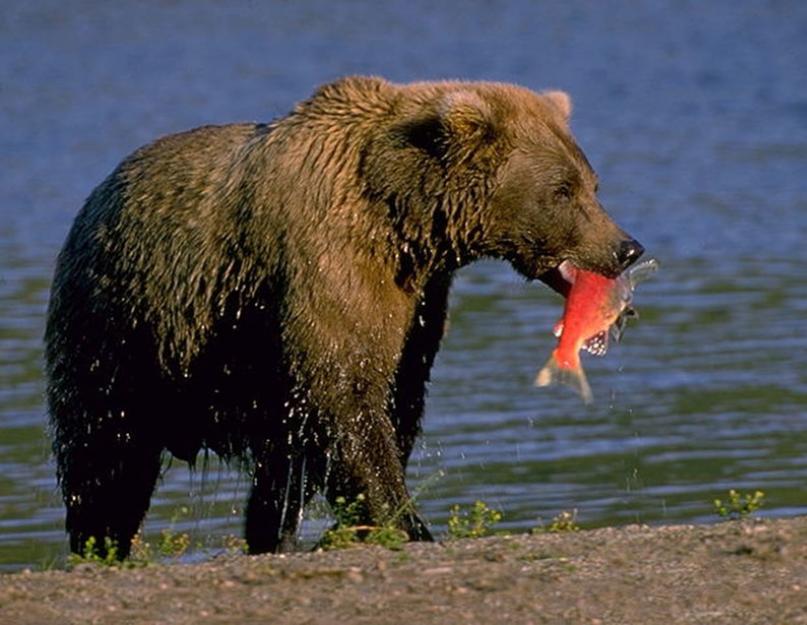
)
(563, 192)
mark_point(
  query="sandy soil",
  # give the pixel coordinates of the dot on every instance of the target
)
(740, 573)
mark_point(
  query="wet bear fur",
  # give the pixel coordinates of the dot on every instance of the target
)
(277, 292)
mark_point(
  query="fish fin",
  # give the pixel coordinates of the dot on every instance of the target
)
(554, 374)
(618, 327)
(557, 329)
(597, 345)
(642, 271)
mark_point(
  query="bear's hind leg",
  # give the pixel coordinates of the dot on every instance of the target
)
(107, 482)
(280, 490)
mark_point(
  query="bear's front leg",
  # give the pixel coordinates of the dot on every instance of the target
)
(343, 336)
(344, 390)
(364, 459)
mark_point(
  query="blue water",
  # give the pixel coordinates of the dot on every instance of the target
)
(694, 115)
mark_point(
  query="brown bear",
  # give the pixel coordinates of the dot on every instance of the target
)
(277, 292)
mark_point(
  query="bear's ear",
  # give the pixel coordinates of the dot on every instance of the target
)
(466, 115)
(459, 118)
(561, 101)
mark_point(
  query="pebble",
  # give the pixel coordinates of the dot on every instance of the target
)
(354, 574)
(440, 570)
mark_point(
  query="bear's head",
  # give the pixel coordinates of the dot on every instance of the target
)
(472, 169)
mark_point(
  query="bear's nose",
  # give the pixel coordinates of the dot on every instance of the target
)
(629, 251)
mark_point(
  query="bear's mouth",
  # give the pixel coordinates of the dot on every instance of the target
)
(559, 278)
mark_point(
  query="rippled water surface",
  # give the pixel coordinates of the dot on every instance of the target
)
(694, 115)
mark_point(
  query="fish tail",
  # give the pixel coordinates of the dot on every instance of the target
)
(553, 373)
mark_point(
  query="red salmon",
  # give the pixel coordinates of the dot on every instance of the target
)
(593, 305)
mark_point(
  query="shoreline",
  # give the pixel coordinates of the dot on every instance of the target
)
(748, 572)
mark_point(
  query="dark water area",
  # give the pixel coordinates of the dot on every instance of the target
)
(695, 117)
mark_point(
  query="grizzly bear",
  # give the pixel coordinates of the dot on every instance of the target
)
(276, 293)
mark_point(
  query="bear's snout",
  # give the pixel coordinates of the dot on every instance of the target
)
(629, 252)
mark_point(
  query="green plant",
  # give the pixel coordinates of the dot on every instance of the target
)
(472, 523)
(349, 528)
(172, 544)
(347, 516)
(564, 521)
(94, 554)
(234, 544)
(387, 536)
(140, 551)
(339, 537)
(169, 544)
(739, 506)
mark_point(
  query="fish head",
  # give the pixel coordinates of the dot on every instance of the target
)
(594, 304)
